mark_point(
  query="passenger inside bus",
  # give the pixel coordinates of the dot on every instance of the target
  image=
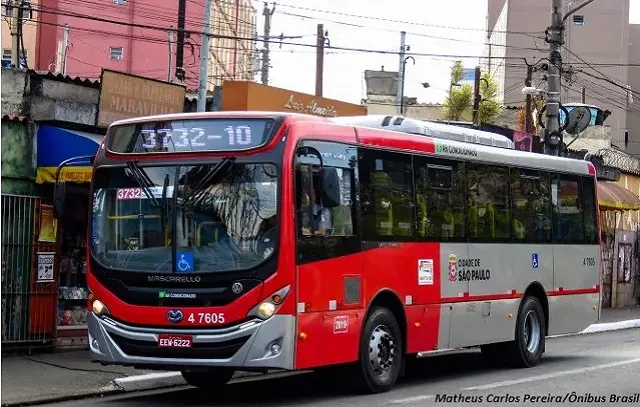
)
(319, 221)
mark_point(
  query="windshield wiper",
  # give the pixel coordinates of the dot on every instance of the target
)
(143, 180)
(196, 194)
(165, 207)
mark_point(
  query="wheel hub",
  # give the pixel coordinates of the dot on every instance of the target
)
(382, 350)
(532, 331)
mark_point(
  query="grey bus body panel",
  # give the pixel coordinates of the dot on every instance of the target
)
(497, 272)
(254, 353)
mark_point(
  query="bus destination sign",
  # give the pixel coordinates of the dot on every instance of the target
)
(176, 136)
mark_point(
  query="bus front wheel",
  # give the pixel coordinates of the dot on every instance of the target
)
(381, 351)
(209, 379)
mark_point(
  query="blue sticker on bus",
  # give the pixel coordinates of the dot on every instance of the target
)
(184, 262)
(534, 260)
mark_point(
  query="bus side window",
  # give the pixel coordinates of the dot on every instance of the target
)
(314, 217)
(440, 202)
(488, 208)
(567, 210)
(387, 197)
(530, 206)
(590, 212)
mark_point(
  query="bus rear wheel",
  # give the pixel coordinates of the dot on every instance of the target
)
(527, 348)
(381, 352)
(529, 344)
(209, 379)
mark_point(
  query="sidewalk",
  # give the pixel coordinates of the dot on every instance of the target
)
(30, 380)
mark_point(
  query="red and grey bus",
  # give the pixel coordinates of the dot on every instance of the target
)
(250, 241)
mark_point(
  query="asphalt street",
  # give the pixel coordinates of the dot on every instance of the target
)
(586, 369)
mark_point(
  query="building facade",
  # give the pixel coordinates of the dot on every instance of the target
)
(596, 48)
(136, 37)
(232, 59)
(29, 31)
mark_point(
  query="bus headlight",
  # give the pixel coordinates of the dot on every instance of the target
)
(267, 308)
(99, 308)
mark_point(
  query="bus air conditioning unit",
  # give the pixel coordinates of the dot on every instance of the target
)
(426, 128)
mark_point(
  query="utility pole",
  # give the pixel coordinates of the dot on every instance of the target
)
(528, 103)
(319, 59)
(204, 58)
(476, 96)
(399, 96)
(171, 40)
(182, 10)
(15, 32)
(555, 38)
(584, 95)
(553, 136)
(65, 48)
(267, 37)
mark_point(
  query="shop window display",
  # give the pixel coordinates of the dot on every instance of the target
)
(72, 291)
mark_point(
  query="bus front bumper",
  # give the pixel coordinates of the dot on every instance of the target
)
(254, 345)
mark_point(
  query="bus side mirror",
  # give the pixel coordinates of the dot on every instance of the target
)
(59, 193)
(330, 187)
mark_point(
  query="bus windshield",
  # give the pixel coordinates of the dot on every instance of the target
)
(220, 216)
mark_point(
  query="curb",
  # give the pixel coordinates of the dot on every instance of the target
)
(603, 327)
(156, 381)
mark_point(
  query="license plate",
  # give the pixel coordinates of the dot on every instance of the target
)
(174, 341)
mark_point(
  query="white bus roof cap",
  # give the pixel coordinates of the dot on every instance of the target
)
(426, 128)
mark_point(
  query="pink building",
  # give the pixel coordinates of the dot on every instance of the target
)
(124, 47)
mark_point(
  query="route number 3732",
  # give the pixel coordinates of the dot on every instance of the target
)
(589, 261)
(206, 318)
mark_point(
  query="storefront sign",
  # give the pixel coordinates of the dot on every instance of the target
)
(45, 267)
(310, 108)
(48, 225)
(251, 96)
(123, 96)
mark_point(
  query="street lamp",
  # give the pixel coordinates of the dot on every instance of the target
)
(404, 68)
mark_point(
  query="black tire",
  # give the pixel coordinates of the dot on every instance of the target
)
(381, 327)
(208, 380)
(529, 344)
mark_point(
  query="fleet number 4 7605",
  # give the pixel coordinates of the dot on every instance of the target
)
(206, 318)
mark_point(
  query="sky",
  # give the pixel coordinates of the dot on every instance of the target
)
(452, 27)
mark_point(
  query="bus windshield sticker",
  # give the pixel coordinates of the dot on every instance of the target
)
(425, 272)
(341, 324)
(534, 260)
(136, 193)
(184, 262)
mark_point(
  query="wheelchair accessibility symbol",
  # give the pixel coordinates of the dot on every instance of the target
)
(184, 262)
(534, 260)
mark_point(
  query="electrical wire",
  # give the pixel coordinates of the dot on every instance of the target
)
(231, 37)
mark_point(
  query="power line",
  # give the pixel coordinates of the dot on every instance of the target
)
(410, 33)
(403, 22)
(232, 37)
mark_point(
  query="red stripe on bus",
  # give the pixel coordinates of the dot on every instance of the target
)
(574, 291)
(466, 297)
(484, 297)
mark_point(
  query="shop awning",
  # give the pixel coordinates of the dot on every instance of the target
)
(55, 145)
(614, 197)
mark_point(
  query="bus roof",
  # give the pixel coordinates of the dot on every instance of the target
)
(400, 133)
(426, 128)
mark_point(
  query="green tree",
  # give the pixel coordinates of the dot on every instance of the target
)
(459, 103)
(460, 99)
(489, 108)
